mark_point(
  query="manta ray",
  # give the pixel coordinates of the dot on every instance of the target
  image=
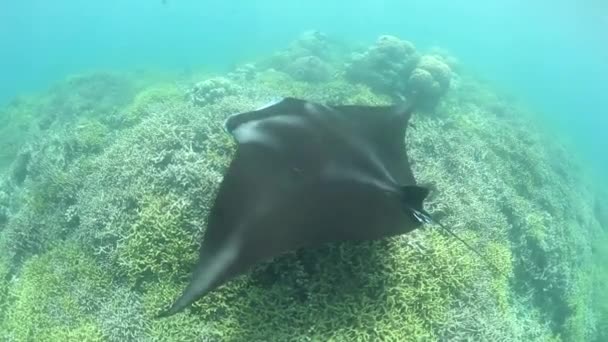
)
(306, 174)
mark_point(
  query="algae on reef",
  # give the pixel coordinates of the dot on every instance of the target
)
(104, 200)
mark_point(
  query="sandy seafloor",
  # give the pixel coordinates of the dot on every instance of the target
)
(106, 179)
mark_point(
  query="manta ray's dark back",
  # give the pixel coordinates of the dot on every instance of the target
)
(305, 174)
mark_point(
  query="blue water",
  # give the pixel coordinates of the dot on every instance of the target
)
(553, 54)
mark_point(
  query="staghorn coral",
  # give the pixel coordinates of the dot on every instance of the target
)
(4, 208)
(385, 66)
(135, 208)
(53, 295)
(121, 317)
(144, 102)
(17, 119)
(518, 185)
(600, 285)
(97, 93)
(156, 243)
(271, 83)
(4, 287)
(89, 136)
(212, 90)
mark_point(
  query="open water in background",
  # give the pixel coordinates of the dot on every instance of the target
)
(552, 54)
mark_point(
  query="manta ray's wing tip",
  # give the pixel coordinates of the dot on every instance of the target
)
(165, 313)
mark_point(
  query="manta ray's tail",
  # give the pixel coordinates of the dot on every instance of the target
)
(423, 217)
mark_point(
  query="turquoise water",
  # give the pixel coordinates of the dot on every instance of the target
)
(106, 177)
(553, 54)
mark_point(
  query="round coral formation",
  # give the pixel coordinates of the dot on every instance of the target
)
(429, 80)
(309, 69)
(212, 90)
(422, 82)
(245, 72)
(385, 65)
(111, 233)
(440, 71)
(313, 42)
(307, 59)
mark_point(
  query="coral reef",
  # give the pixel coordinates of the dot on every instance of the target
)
(309, 69)
(121, 317)
(212, 90)
(429, 80)
(394, 67)
(144, 103)
(311, 58)
(102, 209)
(313, 42)
(310, 43)
(244, 72)
(98, 96)
(385, 66)
(57, 294)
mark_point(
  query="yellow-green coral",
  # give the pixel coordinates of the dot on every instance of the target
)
(84, 332)
(156, 243)
(334, 92)
(4, 288)
(89, 135)
(139, 200)
(501, 256)
(383, 290)
(55, 295)
(145, 100)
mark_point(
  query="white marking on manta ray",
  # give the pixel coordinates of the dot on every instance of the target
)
(251, 132)
(268, 104)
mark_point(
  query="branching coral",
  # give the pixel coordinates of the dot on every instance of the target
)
(507, 171)
(89, 136)
(246, 72)
(334, 92)
(95, 94)
(4, 288)
(4, 208)
(144, 103)
(121, 317)
(139, 229)
(600, 285)
(53, 297)
(110, 226)
(156, 242)
(212, 90)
